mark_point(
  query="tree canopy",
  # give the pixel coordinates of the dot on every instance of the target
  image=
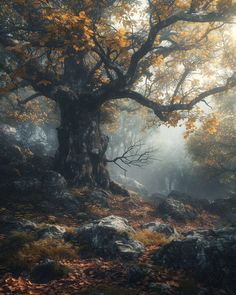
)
(167, 56)
(215, 154)
(169, 49)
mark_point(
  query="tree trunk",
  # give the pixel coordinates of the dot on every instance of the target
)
(82, 146)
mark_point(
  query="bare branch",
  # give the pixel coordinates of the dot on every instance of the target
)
(134, 155)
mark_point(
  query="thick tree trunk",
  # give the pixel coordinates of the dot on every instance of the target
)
(82, 146)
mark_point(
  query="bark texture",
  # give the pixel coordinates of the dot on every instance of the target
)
(82, 146)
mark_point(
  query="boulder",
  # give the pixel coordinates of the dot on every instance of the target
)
(52, 232)
(161, 228)
(209, 254)
(63, 203)
(109, 237)
(97, 197)
(53, 183)
(26, 226)
(180, 196)
(26, 185)
(118, 189)
(8, 223)
(132, 184)
(176, 210)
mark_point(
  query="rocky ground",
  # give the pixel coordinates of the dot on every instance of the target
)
(60, 240)
(93, 242)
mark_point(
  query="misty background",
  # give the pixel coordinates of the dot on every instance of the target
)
(169, 168)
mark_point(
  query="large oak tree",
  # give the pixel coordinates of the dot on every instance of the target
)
(165, 55)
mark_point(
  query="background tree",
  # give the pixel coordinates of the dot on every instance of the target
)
(83, 54)
(214, 152)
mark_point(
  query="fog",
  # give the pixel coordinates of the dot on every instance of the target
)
(169, 167)
(172, 167)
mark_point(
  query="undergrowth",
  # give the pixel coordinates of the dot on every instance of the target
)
(149, 238)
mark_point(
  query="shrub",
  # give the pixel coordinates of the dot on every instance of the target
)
(37, 251)
(10, 247)
(149, 238)
(21, 251)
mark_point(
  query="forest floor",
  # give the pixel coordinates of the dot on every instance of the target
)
(97, 275)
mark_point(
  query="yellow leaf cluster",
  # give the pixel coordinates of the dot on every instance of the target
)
(211, 124)
(123, 42)
(158, 60)
(190, 126)
(75, 29)
(182, 4)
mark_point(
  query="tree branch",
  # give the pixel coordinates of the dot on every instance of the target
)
(134, 156)
(154, 30)
(161, 111)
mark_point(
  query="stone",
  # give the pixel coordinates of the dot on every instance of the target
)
(97, 197)
(161, 228)
(162, 289)
(26, 226)
(180, 196)
(53, 183)
(128, 248)
(176, 210)
(52, 232)
(110, 237)
(209, 254)
(9, 223)
(131, 184)
(27, 185)
(118, 189)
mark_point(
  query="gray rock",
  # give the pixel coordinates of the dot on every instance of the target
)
(180, 196)
(53, 183)
(109, 236)
(8, 223)
(27, 185)
(131, 184)
(161, 228)
(82, 216)
(52, 232)
(26, 225)
(176, 210)
(128, 248)
(118, 189)
(162, 289)
(98, 197)
(210, 254)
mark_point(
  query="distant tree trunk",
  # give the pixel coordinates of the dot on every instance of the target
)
(82, 146)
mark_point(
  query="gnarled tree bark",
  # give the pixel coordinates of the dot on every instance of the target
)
(82, 146)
